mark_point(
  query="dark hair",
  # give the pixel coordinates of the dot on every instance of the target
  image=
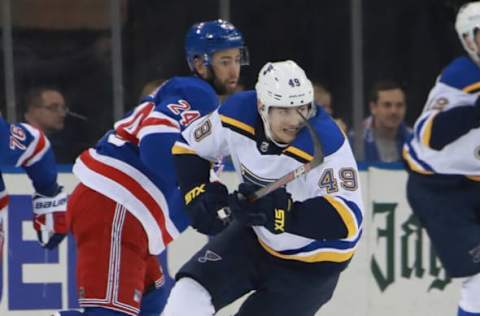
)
(383, 85)
(33, 98)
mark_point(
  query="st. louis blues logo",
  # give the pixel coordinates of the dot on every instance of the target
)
(209, 256)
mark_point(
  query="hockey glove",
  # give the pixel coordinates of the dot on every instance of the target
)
(202, 203)
(49, 218)
(271, 211)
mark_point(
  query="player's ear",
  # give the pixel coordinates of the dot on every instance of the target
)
(200, 67)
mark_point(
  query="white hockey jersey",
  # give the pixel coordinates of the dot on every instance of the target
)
(457, 86)
(233, 130)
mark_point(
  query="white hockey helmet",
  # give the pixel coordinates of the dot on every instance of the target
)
(282, 84)
(466, 25)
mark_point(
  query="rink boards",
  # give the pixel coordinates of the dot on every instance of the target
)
(394, 271)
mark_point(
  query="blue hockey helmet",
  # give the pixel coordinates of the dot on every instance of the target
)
(205, 38)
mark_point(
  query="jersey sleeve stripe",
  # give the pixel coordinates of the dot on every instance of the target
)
(3, 200)
(346, 214)
(149, 130)
(157, 123)
(237, 124)
(182, 149)
(331, 255)
(150, 121)
(141, 110)
(119, 182)
(426, 130)
(39, 151)
(36, 149)
(297, 153)
(412, 161)
(472, 87)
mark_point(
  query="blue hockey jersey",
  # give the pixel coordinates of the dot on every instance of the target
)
(22, 145)
(132, 164)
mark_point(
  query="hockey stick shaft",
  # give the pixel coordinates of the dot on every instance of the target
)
(294, 174)
(318, 157)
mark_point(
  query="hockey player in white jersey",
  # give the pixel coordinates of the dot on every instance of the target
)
(443, 158)
(290, 246)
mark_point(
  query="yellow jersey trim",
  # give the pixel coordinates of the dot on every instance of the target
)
(472, 87)
(474, 178)
(180, 150)
(245, 127)
(318, 257)
(299, 153)
(411, 164)
(427, 131)
(345, 214)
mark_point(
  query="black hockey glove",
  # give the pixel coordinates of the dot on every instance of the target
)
(271, 211)
(202, 203)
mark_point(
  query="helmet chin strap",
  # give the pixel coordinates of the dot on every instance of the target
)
(266, 124)
(268, 131)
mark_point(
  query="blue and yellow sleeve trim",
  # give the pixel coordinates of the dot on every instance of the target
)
(319, 256)
(182, 149)
(472, 88)
(238, 126)
(346, 214)
(298, 154)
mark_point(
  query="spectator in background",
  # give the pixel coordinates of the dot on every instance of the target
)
(46, 109)
(385, 130)
(323, 98)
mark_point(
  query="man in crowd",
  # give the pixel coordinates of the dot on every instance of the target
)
(46, 109)
(384, 130)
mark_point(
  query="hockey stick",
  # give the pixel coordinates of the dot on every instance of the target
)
(318, 156)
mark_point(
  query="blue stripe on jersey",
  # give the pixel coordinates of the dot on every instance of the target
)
(461, 73)
(414, 156)
(317, 244)
(355, 209)
(419, 128)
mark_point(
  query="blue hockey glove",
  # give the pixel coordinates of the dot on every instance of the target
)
(271, 211)
(49, 219)
(202, 203)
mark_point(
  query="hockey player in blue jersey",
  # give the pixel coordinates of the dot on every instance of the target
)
(288, 247)
(22, 145)
(444, 161)
(127, 207)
